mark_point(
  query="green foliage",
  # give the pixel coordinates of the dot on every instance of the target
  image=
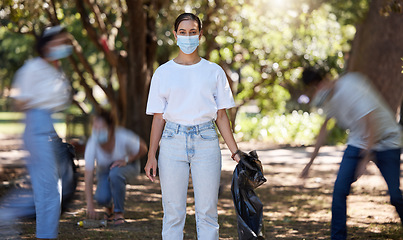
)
(14, 50)
(13, 123)
(262, 45)
(296, 128)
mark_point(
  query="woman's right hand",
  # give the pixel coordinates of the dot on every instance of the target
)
(151, 165)
(91, 213)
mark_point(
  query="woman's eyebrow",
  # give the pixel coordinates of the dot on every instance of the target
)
(185, 29)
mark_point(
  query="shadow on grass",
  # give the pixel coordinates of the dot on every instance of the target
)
(293, 209)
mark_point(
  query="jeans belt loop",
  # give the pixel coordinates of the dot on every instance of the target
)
(177, 128)
(197, 129)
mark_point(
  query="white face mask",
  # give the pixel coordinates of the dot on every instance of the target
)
(188, 44)
(102, 136)
(60, 52)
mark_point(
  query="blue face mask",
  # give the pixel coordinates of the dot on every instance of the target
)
(59, 52)
(101, 136)
(188, 44)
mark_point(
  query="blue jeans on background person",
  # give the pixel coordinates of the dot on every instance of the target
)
(387, 161)
(47, 152)
(111, 186)
(195, 148)
(41, 140)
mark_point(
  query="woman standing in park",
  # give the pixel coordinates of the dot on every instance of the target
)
(116, 151)
(187, 95)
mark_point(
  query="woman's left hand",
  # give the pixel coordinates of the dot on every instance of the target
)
(118, 163)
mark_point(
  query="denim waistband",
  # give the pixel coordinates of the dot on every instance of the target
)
(189, 128)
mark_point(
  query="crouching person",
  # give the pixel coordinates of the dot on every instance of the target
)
(116, 151)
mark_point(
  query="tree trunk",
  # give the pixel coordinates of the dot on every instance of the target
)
(377, 51)
(138, 69)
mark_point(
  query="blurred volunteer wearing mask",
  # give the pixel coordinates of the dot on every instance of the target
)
(116, 151)
(187, 96)
(40, 88)
(374, 135)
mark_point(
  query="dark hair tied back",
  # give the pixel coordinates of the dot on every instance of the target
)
(187, 16)
(107, 117)
(311, 76)
(46, 36)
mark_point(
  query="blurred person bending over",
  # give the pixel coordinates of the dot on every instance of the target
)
(40, 88)
(374, 135)
(116, 151)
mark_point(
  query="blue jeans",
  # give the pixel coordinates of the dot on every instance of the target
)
(42, 142)
(111, 186)
(387, 161)
(193, 148)
(49, 161)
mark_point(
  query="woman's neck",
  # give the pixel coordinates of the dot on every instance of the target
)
(110, 144)
(187, 59)
(53, 63)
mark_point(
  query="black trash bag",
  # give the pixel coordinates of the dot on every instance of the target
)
(247, 176)
(69, 174)
(20, 201)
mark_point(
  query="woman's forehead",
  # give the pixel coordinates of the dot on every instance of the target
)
(99, 122)
(188, 25)
(60, 38)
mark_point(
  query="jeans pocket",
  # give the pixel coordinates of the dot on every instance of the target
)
(209, 134)
(167, 134)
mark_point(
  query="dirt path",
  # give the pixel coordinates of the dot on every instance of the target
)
(294, 209)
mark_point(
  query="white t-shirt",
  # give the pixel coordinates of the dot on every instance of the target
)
(42, 86)
(353, 98)
(189, 94)
(126, 143)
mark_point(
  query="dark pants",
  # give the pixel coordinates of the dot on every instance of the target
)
(387, 161)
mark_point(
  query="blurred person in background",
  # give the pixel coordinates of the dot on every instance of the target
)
(116, 152)
(374, 135)
(40, 88)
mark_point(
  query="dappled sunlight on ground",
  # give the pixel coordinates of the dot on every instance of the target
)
(294, 208)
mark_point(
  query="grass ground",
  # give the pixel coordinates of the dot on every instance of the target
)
(293, 209)
(12, 123)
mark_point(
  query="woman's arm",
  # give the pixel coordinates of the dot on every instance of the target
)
(320, 140)
(366, 154)
(226, 132)
(156, 132)
(132, 157)
(142, 151)
(89, 182)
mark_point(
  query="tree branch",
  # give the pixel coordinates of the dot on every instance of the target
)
(87, 88)
(108, 90)
(110, 56)
(98, 15)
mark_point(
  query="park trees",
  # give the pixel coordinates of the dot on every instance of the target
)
(262, 46)
(114, 45)
(377, 50)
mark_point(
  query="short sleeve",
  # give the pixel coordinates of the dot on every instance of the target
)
(89, 155)
(223, 98)
(132, 142)
(155, 103)
(358, 93)
(21, 87)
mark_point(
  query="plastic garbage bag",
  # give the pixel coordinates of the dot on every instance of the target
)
(247, 176)
(19, 202)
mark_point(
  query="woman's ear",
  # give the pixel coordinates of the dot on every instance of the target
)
(201, 34)
(176, 37)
